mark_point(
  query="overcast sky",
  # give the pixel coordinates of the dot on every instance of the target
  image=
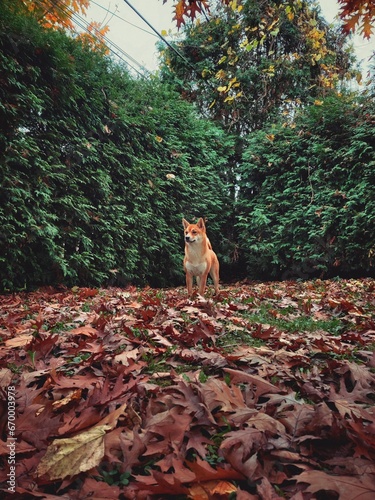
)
(136, 39)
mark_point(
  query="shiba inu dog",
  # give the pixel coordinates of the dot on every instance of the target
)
(200, 260)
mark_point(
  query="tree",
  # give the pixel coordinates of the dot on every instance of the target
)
(251, 59)
(254, 60)
(352, 12)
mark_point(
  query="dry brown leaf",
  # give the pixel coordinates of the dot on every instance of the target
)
(20, 340)
(348, 488)
(74, 395)
(207, 490)
(125, 356)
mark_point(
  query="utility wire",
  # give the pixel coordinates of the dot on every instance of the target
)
(83, 24)
(122, 19)
(160, 36)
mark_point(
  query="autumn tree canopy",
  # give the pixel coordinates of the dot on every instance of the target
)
(353, 13)
(248, 59)
(52, 14)
(358, 14)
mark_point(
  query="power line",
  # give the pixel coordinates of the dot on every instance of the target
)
(122, 19)
(83, 24)
(160, 36)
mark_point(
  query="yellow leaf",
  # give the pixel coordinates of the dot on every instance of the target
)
(70, 456)
(212, 104)
(164, 32)
(220, 75)
(222, 89)
(317, 102)
(68, 399)
(289, 13)
(270, 137)
(159, 139)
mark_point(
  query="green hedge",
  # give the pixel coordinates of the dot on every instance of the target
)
(86, 155)
(307, 191)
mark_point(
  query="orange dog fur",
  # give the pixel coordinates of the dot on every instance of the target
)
(200, 260)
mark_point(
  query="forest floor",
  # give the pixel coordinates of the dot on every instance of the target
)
(265, 392)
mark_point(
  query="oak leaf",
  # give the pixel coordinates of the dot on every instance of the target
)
(207, 490)
(348, 488)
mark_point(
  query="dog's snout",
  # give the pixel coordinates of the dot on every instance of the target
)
(187, 238)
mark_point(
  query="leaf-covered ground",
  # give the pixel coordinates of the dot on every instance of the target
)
(265, 392)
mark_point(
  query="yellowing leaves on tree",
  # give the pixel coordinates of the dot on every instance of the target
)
(289, 12)
(272, 25)
(232, 82)
(270, 71)
(230, 98)
(220, 75)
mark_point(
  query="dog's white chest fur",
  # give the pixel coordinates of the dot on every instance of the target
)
(196, 269)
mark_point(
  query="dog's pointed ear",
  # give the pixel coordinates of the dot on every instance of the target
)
(201, 224)
(185, 223)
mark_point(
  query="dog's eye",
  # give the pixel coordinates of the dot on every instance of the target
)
(194, 232)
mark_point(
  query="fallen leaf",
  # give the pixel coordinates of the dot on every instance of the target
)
(70, 456)
(348, 488)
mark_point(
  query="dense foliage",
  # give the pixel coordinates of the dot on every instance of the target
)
(97, 168)
(253, 58)
(354, 14)
(307, 198)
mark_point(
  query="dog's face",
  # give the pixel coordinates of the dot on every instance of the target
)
(194, 232)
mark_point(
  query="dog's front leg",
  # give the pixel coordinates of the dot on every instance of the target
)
(202, 284)
(189, 283)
